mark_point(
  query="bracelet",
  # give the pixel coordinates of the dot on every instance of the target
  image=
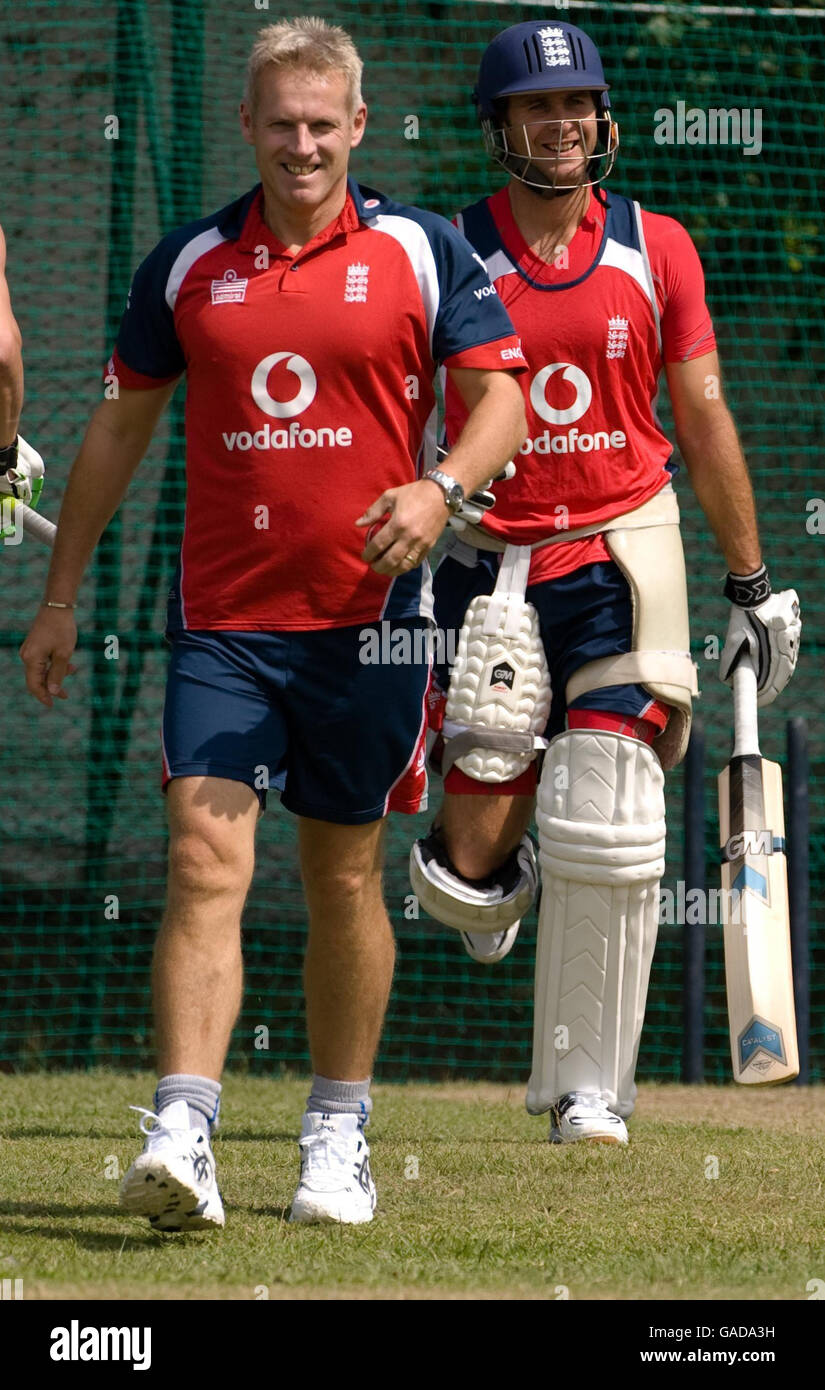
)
(50, 603)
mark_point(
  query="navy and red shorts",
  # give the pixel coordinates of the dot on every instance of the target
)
(331, 718)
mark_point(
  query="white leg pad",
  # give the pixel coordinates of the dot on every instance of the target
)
(601, 822)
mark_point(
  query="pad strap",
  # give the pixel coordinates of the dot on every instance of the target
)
(511, 584)
(660, 510)
(459, 744)
(631, 668)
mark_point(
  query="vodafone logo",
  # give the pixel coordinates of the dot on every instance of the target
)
(570, 441)
(308, 385)
(292, 436)
(577, 378)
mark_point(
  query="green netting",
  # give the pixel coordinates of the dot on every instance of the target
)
(82, 818)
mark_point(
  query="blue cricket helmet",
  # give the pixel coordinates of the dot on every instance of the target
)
(543, 55)
(535, 56)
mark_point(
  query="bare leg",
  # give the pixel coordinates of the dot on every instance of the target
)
(197, 971)
(351, 951)
(480, 831)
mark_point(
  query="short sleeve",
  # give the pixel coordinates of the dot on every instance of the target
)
(147, 352)
(687, 327)
(472, 327)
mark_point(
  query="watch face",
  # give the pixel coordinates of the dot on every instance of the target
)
(455, 496)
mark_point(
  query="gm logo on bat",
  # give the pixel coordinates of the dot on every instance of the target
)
(751, 842)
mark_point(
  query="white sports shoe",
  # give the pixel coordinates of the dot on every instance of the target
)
(584, 1115)
(488, 948)
(336, 1183)
(173, 1182)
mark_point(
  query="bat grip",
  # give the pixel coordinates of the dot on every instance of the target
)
(745, 723)
(36, 525)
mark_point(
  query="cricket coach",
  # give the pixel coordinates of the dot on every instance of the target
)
(310, 316)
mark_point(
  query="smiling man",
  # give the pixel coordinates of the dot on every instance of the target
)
(310, 316)
(590, 602)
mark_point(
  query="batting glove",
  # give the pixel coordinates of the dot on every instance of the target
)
(23, 469)
(767, 626)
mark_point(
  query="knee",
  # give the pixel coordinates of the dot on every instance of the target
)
(208, 863)
(342, 885)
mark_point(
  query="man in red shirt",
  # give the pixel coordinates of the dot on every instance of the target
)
(605, 296)
(309, 316)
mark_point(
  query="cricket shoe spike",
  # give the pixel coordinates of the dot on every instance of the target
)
(336, 1184)
(173, 1182)
(582, 1115)
(488, 948)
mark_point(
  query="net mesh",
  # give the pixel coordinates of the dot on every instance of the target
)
(120, 123)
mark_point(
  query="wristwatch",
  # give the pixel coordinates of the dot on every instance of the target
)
(453, 491)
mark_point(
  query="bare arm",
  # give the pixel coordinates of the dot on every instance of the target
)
(116, 439)
(11, 360)
(495, 428)
(716, 465)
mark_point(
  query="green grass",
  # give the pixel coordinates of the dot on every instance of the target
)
(494, 1211)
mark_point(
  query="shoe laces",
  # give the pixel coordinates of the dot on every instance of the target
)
(152, 1126)
(326, 1149)
(584, 1100)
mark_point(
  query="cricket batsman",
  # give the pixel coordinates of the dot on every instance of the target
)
(572, 687)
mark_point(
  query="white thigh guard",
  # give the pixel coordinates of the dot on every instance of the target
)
(652, 560)
(601, 822)
(499, 695)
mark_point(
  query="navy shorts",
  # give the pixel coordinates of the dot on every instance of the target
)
(583, 615)
(333, 719)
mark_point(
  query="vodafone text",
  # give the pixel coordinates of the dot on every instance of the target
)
(292, 436)
(573, 442)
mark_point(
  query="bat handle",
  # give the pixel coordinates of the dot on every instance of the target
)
(745, 723)
(36, 525)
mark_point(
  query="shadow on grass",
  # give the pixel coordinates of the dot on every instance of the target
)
(93, 1240)
(270, 1213)
(57, 1132)
(247, 1137)
(54, 1209)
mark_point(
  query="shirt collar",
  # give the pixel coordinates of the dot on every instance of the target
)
(593, 220)
(255, 231)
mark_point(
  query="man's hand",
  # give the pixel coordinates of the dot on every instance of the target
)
(23, 478)
(770, 633)
(414, 517)
(46, 654)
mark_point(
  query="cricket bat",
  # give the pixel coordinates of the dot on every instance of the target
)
(758, 971)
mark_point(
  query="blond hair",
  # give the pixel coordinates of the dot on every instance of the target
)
(310, 45)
